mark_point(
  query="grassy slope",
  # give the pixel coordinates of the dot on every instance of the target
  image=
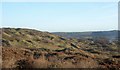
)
(22, 44)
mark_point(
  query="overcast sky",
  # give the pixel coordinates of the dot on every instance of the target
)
(61, 16)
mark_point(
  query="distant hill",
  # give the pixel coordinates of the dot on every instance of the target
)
(110, 35)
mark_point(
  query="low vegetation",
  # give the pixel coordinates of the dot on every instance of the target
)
(27, 48)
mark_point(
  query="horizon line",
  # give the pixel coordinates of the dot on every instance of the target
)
(60, 31)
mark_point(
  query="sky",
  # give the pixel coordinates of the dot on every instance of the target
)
(61, 16)
(59, 0)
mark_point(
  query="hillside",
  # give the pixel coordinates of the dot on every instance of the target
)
(32, 39)
(28, 48)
